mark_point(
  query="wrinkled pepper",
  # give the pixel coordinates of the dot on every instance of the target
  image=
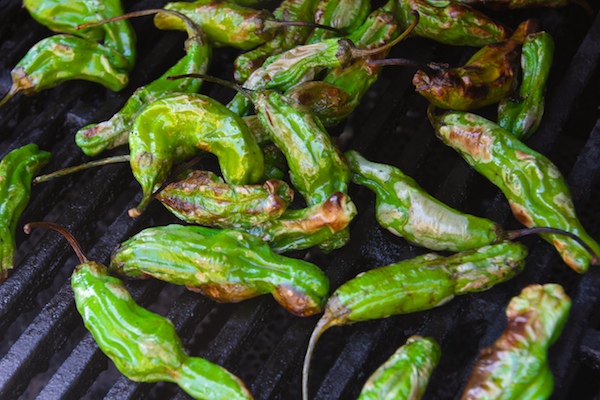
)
(203, 198)
(417, 284)
(176, 127)
(523, 115)
(346, 15)
(143, 345)
(406, 373)
(534, 187)
(516, 366)
(223, 264)
(487, 77)
(95, 138)
(17, 169)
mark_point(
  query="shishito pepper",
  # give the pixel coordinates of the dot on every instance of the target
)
(95, 138)
(203, 198)
(534, 187)
(346, 15)
(516, 366)
(487, 77)
(176, 127)
(17, 169)
(60, 58)
(451, 23)
(523, 115)
(516, 4)
(417, 284)
(405, 375)
(223, 264)
(143, 345)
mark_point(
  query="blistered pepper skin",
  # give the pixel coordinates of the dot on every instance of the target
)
(451, 23)
(224, 23)
(406, 373)
(487, 77)
(225, 265)
(346, 15)
(177, 127)
(143, 345)
(406, 210)
(534, 187)
(60, 58)
(522, 116)
(516, 366)
(204, 199)
(17, 169)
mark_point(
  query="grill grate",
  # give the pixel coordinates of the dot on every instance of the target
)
(45, 351)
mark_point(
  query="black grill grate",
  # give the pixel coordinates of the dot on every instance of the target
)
(45, 351)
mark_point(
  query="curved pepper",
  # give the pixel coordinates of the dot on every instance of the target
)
(176, 127)
(534, 187)
(346, 15)
(487, 77)
(522, 116)
(406, 210)
(17, 169)
(417, 284)
(203, 198)
(406, 374)
(224, 265)
(60, 58)
(95, 138)
(516, 366)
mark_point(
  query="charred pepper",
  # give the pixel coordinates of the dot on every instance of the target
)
(346, 15)
(17, 169)
(223, 264)
(534, 187)
(516, 365)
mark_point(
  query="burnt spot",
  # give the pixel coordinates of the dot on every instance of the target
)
(227, 292)
(473, 140)
(296, 301)
(521, 214)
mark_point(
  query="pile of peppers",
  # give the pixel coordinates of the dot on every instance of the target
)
(283, 183)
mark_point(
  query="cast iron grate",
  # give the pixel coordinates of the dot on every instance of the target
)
(45, 351)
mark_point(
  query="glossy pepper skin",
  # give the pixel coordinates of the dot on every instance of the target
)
(418, 284)
(523, 115)
(95, 138)
(176, 127)
(203, 198)
(143, 345)
(406, 210)
(516, 365)
(450, 23)
(223, 264)
(406, 373)
(320, 224)
(275, 162)
(224, 23)
(60, 58)
(487, 77)
(17, 169)
(346, 15)
(534, 187)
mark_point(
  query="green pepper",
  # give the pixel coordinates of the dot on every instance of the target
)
(417, 284)
(522, 116)
(451, 23)
(346, 15)
(406, 374)
(60, 58)
(225, 265)
(320, 224)
(174, 128)
(406, 210)
(487, 77)
(17, 169)
(516, 365)
(534, 187)
(203, 198)
(95, 138)
(275, 163)
(143, 345)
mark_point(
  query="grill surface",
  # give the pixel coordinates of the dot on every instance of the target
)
(46, 352)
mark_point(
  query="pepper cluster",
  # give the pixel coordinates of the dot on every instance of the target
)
(300, 80)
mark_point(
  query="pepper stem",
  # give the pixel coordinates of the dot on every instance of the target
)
(63, 231)
(324, 323)
(245, 92)
(360, 53)
(81, 167)
(13, 90)
(510, 235)
(403, 62)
